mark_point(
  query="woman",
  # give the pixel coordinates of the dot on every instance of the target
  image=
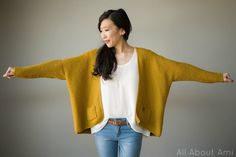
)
(118, 92)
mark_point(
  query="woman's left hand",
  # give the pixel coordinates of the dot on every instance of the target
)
(227, 77)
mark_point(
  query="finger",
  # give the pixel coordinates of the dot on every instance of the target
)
(8, 75)
(8, 70)
(230, 80)
(5, 75)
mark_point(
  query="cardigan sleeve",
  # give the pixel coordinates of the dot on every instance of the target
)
(180, 71)
(49, 69)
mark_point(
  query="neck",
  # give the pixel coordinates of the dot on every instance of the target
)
(123, 47)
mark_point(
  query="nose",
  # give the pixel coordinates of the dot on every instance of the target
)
(103, 36)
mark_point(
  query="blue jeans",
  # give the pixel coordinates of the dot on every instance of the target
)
(114, 140)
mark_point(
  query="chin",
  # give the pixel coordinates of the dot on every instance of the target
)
(109, 45)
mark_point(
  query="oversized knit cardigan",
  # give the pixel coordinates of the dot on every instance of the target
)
(156, 74)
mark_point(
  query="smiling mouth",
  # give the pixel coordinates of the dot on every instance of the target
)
(106, 41)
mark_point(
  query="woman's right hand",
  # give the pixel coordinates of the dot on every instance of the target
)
(9, 73)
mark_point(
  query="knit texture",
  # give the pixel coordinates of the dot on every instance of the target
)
(156, 74)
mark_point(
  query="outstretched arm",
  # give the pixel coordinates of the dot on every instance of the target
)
(180, 71)
(50, 69)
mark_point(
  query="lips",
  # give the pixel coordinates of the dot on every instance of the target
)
(106, 41)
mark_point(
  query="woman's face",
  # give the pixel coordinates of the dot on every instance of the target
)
(110, 33)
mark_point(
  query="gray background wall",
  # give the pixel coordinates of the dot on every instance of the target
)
(35, 114)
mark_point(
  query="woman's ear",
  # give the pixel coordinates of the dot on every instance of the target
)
(122, 31)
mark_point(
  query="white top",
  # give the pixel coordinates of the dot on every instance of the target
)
(119, 95)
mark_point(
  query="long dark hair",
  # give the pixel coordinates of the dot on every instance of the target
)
(106, 61)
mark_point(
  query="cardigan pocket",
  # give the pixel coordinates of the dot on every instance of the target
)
(91, 113)
(144, 114)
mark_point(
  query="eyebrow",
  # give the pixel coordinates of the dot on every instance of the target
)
(105, 27)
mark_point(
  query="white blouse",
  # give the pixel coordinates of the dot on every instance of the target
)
(119, 95)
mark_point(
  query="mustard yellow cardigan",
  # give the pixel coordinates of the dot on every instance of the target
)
(156, 74)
